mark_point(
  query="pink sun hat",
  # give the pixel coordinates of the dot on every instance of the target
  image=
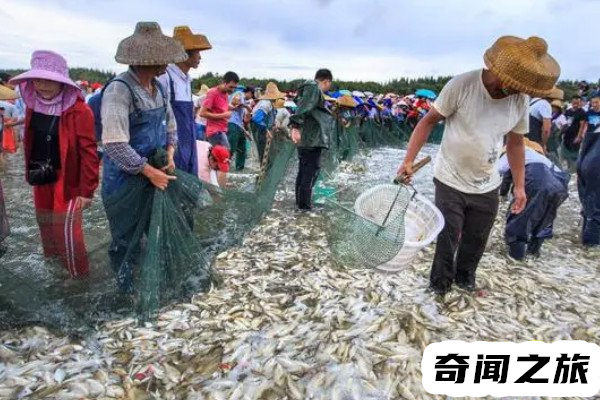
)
(46, 64)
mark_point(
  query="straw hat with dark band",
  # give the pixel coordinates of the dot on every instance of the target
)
(272, 92)
(183, 34)
(148, 46)
(523, 65)
(347, 101)
(7, 93)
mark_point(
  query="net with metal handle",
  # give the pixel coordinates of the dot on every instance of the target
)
(373, 233)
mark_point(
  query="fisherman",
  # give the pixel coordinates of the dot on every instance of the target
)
(588, 174)
(573, 132)
(217, 111)
(479, 108)
(61, 162)
(311, 130)
(236, 132)
(179, 88)
(546, 187)
(137, 119)
(262, 117)
(282, 118)
(213, 163)
(540, 120)
(200, 122)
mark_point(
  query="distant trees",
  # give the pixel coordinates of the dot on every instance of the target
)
(77, 74)
(398, 85)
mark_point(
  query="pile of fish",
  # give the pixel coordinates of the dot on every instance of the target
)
(288, 323)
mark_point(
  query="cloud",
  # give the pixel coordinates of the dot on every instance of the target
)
(375, 40)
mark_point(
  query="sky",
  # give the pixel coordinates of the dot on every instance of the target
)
(376, 40)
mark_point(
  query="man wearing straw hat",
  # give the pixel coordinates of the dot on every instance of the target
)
(262, 117)
(540, 117)
(179, 88)
(137, 120)
(480, 108)
(311, 129)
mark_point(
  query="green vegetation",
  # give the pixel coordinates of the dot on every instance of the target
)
(400, 85)
(77, 74)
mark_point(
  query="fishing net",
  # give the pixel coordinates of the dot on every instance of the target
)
(176, 235)
(371, 231)
(162, 248)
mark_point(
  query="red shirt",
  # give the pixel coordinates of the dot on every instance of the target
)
(216, 102)
(78, 157)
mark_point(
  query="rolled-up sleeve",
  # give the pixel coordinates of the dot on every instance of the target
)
(125, 157)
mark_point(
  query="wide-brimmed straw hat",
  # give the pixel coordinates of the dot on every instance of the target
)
(46, 64)
(149, 46)
(347, 101)
(190, 41)
(556, 94)
(272, 92)
(523, 64)
(279, 103)
(7, 93)
(557, 103)
(203, 90)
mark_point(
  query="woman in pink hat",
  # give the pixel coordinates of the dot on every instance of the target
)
(61, 162)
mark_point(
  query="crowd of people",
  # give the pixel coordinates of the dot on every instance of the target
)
(504, 126)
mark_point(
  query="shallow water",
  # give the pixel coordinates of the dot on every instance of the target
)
(280, 291)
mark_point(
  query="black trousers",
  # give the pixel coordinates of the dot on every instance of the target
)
(460, 245)
(309, 165)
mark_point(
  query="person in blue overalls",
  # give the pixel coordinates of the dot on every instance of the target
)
(179, 88)
(137, 120)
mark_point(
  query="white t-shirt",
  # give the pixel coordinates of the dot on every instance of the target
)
(540, 109)
(474, 128)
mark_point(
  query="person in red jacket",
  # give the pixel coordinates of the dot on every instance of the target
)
(61, 162)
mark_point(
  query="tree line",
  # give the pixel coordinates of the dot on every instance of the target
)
(399, 85)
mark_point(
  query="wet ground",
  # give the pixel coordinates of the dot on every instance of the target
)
(290, 323)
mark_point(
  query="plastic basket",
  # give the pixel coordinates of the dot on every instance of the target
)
(423, 222)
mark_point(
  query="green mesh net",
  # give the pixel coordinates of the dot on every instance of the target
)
(180, 232)
(369, 231)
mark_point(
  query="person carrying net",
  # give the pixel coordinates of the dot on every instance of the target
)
(479, 108)
(137, 119)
